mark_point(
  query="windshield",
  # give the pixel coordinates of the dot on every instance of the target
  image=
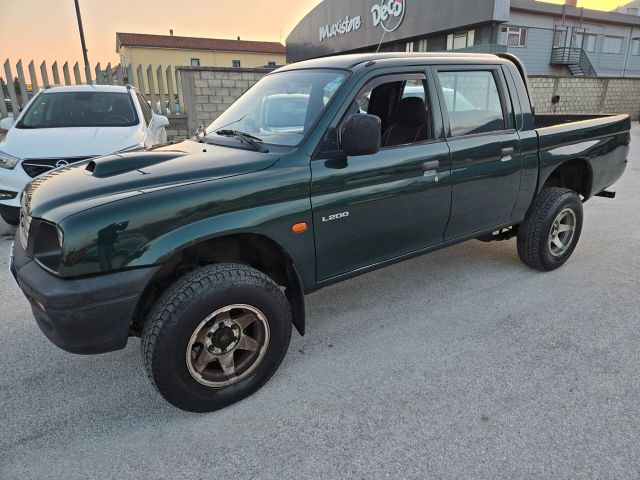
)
(80, 109)
(281, 108)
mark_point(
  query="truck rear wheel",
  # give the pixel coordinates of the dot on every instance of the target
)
(551, 231)
(216, 336)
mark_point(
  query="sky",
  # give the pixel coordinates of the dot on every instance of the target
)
(47, 29)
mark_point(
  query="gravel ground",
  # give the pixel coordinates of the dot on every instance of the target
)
(459, 364)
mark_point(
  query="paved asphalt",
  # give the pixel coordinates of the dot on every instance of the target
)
(460, 364)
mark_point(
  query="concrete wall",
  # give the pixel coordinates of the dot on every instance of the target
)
(178, 128)
(208, 92)
(587, 95)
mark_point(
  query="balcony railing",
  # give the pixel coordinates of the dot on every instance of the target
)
(575, 58)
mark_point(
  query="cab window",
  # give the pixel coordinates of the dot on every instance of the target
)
(400, 101)
(472, 101)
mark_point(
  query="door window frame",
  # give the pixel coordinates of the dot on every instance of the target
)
(144, 105)
(506, 102)
(423, 72)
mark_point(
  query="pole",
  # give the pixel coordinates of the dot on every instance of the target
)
(84, 45)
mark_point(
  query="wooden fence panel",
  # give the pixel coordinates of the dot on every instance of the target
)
(44, 75)
(65, 73)
(76, 74)
(32, 75)
(109, 74)
(87, 73)
(161, 85)
(173, 108)
(152, 89)
(56, 73)
(99, 80)
(140, 79)
(163, 108)
(4, 113)
(12, 89)
(130, 76)
(23, 84)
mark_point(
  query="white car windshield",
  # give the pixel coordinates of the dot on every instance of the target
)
(80, 109)
(281, 108)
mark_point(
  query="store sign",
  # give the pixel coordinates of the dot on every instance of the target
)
(387, 14)
(341, 27)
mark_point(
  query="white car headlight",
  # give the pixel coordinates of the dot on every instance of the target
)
(8, 161)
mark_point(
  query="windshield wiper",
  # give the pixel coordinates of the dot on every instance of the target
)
(245, 137)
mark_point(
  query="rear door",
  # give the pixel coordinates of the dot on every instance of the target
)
(374, 208)
(485, 147)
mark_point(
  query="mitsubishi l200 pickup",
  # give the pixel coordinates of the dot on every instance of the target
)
(324, 170)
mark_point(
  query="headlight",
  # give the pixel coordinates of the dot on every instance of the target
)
(47, 244)
(8, 161)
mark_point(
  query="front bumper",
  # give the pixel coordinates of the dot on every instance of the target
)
(86, 316)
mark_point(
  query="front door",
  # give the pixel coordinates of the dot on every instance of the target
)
(485, 149)
(374, 208)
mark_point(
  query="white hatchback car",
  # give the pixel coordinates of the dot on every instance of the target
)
(67, 124)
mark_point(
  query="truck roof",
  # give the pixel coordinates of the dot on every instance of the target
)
(350, 61)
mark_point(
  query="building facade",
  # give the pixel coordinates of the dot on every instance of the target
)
(552, 39)
(138, 48)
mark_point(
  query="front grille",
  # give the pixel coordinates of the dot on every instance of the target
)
(37, 166)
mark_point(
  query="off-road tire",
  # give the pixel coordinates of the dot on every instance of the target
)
(533, 234)
(179, 311)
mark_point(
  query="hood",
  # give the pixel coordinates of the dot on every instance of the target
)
(80, 186)
(70, 142)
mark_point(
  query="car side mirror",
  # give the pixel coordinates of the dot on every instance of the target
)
(159, 121)
(6, 123)
(361, 135)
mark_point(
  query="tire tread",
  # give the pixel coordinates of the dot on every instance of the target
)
(532, 231)
(181, 294)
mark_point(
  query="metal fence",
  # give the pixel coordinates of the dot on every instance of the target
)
(160, 85)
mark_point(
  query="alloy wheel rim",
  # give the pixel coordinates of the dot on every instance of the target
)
(562, 232)
(227, 345)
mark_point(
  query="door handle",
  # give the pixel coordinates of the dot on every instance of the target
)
(430, 166)
(507, 153)
(430, 169)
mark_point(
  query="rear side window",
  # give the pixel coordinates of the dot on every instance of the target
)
(472, 100)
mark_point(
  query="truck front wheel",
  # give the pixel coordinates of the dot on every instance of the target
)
(216, 336)
(551, 230)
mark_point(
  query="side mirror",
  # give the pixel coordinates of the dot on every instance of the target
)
(6, 123)
(159, 121)
(361, 135)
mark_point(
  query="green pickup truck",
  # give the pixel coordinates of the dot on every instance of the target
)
(324, 170)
